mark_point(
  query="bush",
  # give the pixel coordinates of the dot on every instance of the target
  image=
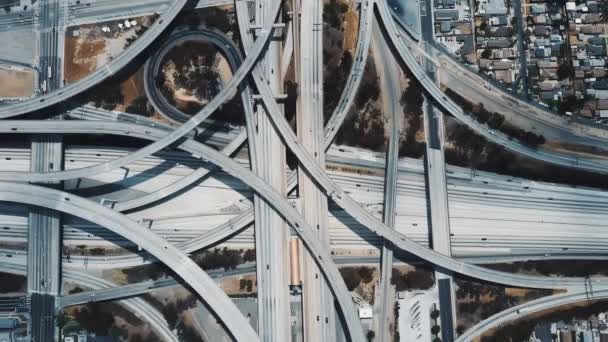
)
(565, 70)
(366, 274)
(249, 255)
(435, 314)
(435, 330)
(351, 277)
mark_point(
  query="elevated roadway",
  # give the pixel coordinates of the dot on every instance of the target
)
(153, 65)
(110, 68)
(403, 51)
(489, 213)
(514, 313)
(319, 317)
(271, 234)
(256, 50)
(390, 85)
(162, 250)
(146, 312)
(363, 217)
(98, 11)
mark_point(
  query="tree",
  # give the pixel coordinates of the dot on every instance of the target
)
(434, 314)
(486, 53)
(366, 274)
(171, 315)
(62, 319)
(604, 11)
(76, 289)
(351, 277)
(483, 26)
(140, 106)
(370, 335)
(565, 70)
(496, 121)
(249, 255)
(435, 330)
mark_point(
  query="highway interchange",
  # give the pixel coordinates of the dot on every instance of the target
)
(364, 209)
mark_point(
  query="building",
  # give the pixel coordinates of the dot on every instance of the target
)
(446, 14)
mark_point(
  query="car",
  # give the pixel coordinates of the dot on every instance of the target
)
(491, 132)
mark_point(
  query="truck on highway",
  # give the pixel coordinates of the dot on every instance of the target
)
(43, 86)
(49, 72)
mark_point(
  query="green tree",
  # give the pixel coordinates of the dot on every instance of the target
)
(565, 70)
(435, 330)
(140, 106)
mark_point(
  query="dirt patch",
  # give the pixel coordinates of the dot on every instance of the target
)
(16, 83)
(132, 88)
(240, 285)
(88, 47)
(80, 57)
(581, 150)
(351, 28)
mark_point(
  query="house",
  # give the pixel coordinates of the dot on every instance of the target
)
(546, 86)
(602, 105)
(595, 50)
(467, 44)
(446, 14)
(541, 30)
(498, 43)
(591, 18)
(591, 29)
(494, 7)
(596, 62)
(547, 95)
(445, 26)
(598, 73)
(502, 65)
(500, 20)
(502, 31)
(540, 19)
(538, 8)
(542, 42)
(547, 64)
(506, 76)
(541, 52)
(595, 40)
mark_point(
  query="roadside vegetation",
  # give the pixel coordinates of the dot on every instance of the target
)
(105, 319)
(496, 121)
(12, 283)
(364, 123)
(420, 278)
(361, 280)
(562, 268)
(411, 141)
(476, 301)
(468, 149)
(175, 311)
(217, 258)
(521, 330)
